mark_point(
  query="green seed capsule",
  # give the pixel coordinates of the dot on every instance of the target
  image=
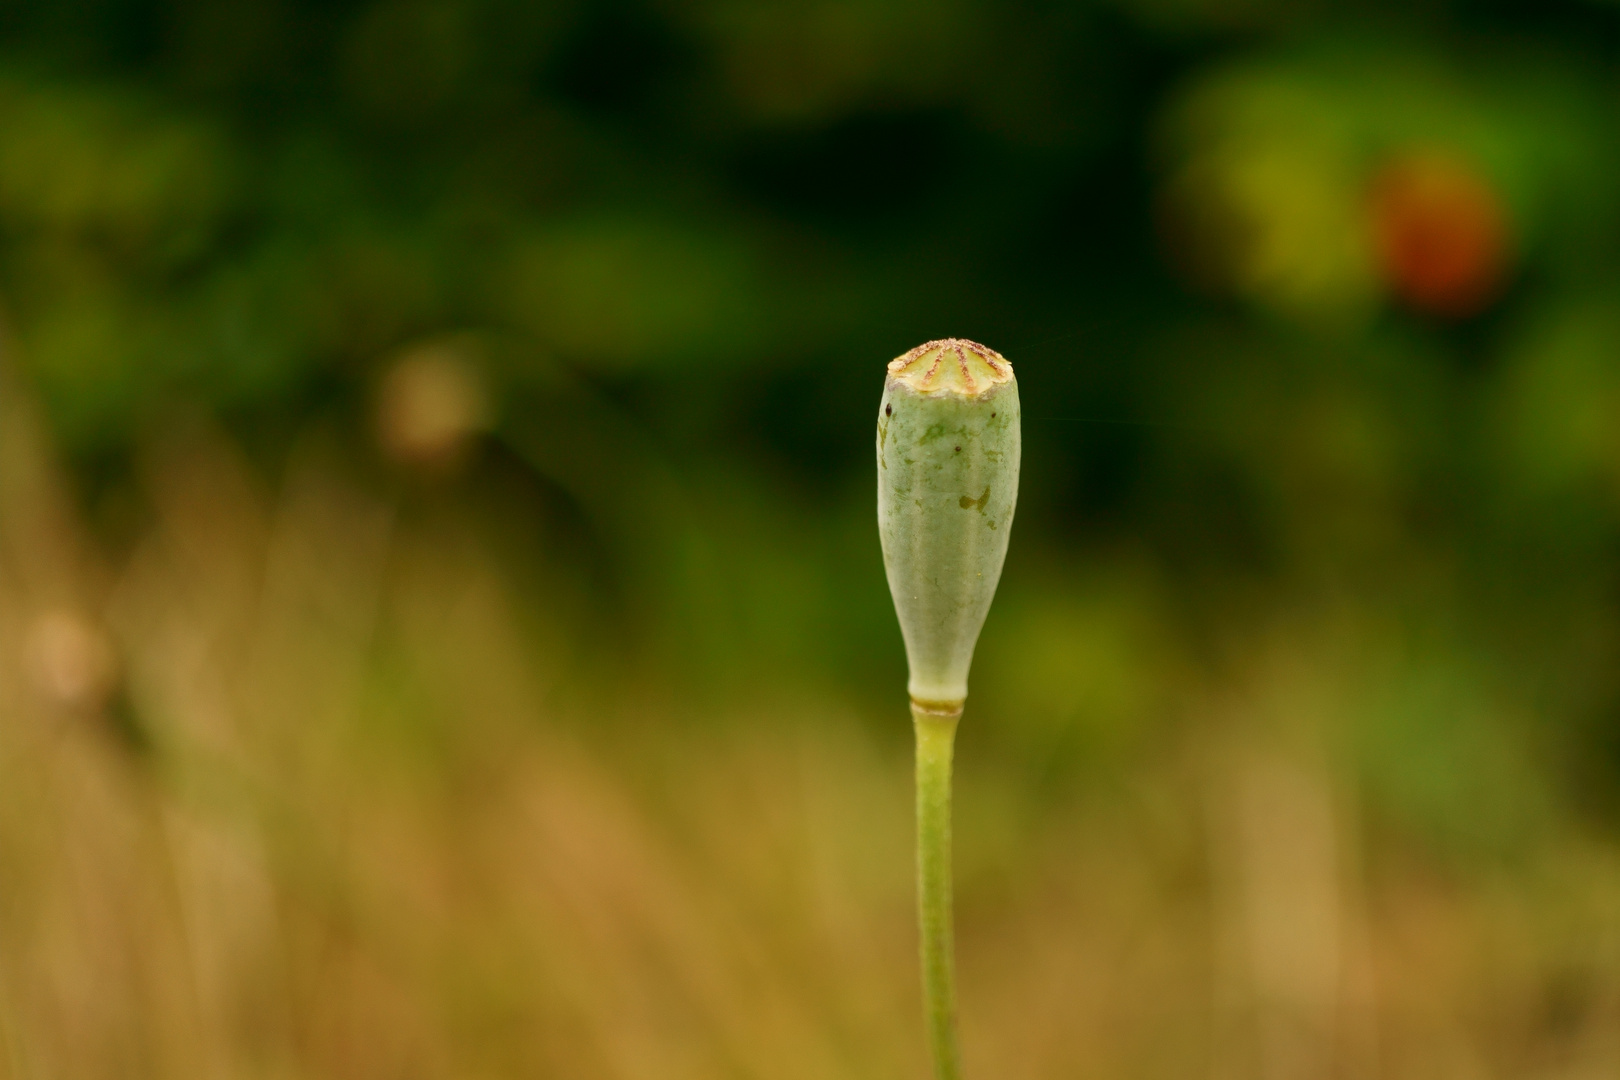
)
(948, 451)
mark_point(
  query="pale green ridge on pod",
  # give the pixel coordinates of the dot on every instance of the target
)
(948, 451)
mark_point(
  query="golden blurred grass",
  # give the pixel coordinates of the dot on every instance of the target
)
(288, 789)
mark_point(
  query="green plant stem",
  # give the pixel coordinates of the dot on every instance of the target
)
(936, 738)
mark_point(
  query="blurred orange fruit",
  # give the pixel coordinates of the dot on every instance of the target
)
(1441, 234)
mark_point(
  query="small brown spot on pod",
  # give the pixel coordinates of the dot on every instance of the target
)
(968, 502)
(958, 449)
(888, 410)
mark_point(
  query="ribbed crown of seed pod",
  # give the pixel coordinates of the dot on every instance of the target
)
(948, 448)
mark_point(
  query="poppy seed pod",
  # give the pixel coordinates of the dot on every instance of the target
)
(948, 452)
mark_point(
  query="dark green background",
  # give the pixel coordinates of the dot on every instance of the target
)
(682, 239)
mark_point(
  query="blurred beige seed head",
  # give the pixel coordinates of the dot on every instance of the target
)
(70, 661)
(430, 405)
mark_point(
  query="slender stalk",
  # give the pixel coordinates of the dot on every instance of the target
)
(936, 738)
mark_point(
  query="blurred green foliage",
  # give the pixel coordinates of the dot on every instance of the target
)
(1312, 306)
